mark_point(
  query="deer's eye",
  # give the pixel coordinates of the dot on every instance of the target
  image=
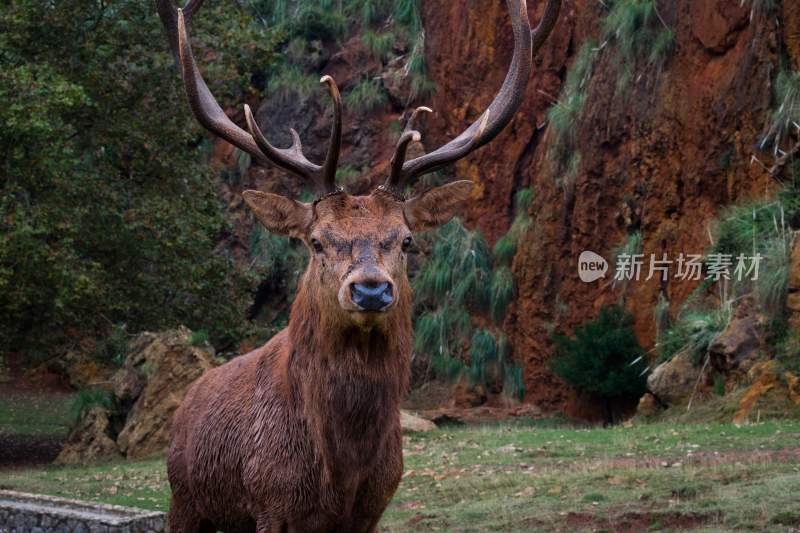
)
(316, 245)
(408, 245)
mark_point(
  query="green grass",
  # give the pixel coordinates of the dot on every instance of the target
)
(540, 477)
(33, 414)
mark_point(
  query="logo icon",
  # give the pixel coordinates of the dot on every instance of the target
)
(591, 267)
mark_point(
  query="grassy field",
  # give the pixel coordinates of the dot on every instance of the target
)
(543, 477)
(31, 413)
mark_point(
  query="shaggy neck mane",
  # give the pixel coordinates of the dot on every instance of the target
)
(349, 380)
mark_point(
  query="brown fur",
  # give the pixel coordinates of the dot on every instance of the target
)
(303, 434)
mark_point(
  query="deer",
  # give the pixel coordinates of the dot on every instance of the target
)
(303, 434)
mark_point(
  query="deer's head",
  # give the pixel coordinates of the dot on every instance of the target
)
(358, 244)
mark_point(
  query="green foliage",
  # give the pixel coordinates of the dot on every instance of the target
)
(505, 249)
(108, 212)
(347, 174)
(603, 358)
(290, 83)
(483, 355)
(631, 246)
(694, 331)
(455, 282)
(459, 269)
(564, 115)
(719, 384)
(421, 86)
(380, 45)
(198, 338)
(367, 95)
(113, 348)
(406, 13)
(86, 399)
(502, 292)
(786, 117)
(506, 246)
(759, 229)
(640, 35)
(277, 258)
(787, 352)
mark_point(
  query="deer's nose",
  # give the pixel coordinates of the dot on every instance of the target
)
(372, 296)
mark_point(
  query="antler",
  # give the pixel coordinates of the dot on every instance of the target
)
(500, 112)
(212, 117)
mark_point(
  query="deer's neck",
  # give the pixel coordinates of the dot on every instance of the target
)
(349, 380)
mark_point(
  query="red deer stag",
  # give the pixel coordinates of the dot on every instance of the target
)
(303, 434)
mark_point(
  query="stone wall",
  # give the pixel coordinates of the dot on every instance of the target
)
(31, 513)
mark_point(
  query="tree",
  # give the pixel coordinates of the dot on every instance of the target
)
(108, 213)
(602, 359)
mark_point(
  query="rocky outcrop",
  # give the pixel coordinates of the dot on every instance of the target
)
(649, 406)
(147, 390)
(674, 381)
(740, 346)
(91, 440)
(769, 389)
(156, 377)
(415, 424)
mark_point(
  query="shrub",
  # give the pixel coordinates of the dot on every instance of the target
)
(86, 399)
(290, 83)
(506, 247)
(639, 33)
(380, 45)
(564, 115)
(694, 331)
(603, 358)
(198, 338)
(458, 271)
(758, 229)
(786, 118)
(278, 258)
(455, 281)
(367, 95)
(502, 293)
(110, 216)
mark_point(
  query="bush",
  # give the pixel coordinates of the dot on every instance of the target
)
(455, 282)
(86, 399)
(694, 330)
(640, 35)
(603, 358)
(198, 338)
(564, 115)
(380, 45)
(786, 117)
(758, 229)
(506, 246)
(367, 95)
(502, 293)
(109, 212)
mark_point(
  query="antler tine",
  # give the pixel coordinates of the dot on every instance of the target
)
(335, 147)
(540, 34)
(505, 104)
(413, 118)
(291, 159)
(394, 183)
(210, 114)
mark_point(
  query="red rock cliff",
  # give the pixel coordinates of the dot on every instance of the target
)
(663, 157)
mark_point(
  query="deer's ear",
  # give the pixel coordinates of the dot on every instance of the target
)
(280, 215)
(436, 206)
